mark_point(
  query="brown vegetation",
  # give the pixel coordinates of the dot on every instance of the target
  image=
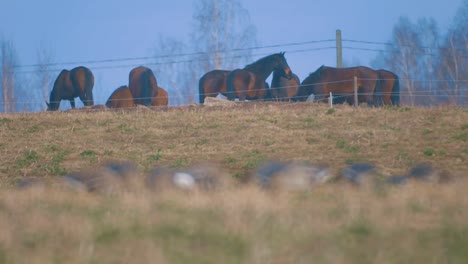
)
(337, 223)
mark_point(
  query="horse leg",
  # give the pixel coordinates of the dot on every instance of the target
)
(242, 95)
(89, 97)
(72, 103)
(85, 100)
(378, 97)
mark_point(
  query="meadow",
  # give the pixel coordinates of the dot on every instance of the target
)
(335, 222)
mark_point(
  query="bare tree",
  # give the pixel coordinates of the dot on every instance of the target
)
(403, 56)
(43, 73)
(222, 33)
(173, 70)
(427, 71)
(454, 57)
(8, 75)
(222, 37)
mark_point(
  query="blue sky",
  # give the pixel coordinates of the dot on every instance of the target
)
(89, 30)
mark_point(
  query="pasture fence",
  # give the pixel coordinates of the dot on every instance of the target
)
(460, 96)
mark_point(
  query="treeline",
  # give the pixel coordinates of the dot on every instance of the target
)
(432, 65)
(218, 27)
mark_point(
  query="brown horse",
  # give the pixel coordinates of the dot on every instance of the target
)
(142, 85)
(390, 87)
(249, 83)
(78, 82)
(283, 89)
(121, 98)
(340, 82)
(160, 97)
(212, 83)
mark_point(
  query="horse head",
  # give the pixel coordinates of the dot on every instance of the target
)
(283, 64)
(52, 106)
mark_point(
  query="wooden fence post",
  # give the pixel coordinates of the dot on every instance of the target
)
(339, 50)
(355, 92)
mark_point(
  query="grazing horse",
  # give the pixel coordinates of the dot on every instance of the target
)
(283, 89)
(142, 85)
(78, 82)
(249, 83)
(212, 83)
(121, 98)
(340, 82)
(390, 87)
(160, 97)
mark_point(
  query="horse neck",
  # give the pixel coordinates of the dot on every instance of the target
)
(54, 100)
(54, 95)
(262, 68)
(276, 77)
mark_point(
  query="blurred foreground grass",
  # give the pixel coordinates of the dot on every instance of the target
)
(336, 223)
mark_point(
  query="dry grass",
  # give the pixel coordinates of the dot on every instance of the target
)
(334, 223)
(394, 139)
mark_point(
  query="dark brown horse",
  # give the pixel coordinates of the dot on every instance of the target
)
(142, 85)
(249, 83)
(160, 97)
(283, 89)
(212, 83)
(121, 98)
(78, 82)
(340, 82)
(390, 87)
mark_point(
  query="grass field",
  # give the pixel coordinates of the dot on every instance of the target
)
(331, 223)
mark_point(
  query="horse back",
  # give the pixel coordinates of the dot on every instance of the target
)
(63, 87)
(83, 82)
(121, 98)
(283, 89)
(338, 80)
(212, 83)
(141, 84)
(239, 84)
(160, 97)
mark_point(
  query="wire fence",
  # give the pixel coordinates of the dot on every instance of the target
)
(461, 95)
(199, 56)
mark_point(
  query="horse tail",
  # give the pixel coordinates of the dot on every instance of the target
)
(201, 90)
(82, 80)
(89, 84)
(378, 101)
(396, 91)
(147, 86)
(268, 95)
(230, 89)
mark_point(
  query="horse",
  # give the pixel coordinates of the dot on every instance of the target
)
(211, 84)
(142, 85)
(121, 98)
(283, 89)
(249, 82)
(160, 97)
(78, 82)
(339, 81)
(390, 87)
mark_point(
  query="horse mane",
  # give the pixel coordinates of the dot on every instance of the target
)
(316, 72)
(263, 60)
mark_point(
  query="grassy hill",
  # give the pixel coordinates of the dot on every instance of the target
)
(333, 223)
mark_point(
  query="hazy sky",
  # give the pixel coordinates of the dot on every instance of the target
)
(89, 30)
